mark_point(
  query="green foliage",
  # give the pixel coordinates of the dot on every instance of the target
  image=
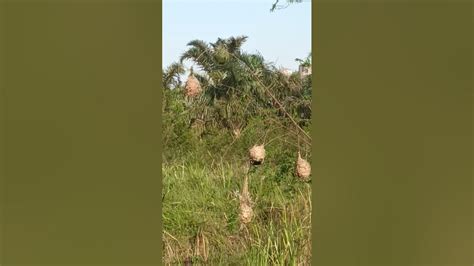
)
(171, 75)
(202, 198)
(204, 159)
(238, 86)
(305, 62)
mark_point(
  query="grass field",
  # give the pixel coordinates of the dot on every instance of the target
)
(201, 208)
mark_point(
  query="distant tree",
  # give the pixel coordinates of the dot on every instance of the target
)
(236, 87)
(305, 62)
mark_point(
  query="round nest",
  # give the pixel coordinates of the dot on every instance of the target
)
(257, 153)
(303, 168)
(193, 87)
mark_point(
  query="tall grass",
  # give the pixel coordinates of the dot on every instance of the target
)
(201, 207)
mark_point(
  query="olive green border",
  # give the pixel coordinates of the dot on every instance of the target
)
(82, 136)
(2, 122)
(392, 133)
(160, 126)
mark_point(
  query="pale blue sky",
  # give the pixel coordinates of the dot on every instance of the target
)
(280, 36)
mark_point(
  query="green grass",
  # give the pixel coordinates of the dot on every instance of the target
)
(201, 200)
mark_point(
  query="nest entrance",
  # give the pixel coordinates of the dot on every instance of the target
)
(257, 154)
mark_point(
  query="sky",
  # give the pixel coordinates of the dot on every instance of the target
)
(279, 36)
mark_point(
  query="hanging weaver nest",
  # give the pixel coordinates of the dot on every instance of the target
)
(193, 87)
(221, 54)
(257, 154)
(246, 212)
(303, 168)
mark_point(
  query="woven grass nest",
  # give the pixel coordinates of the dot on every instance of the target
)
(221, 54)
(303, 168)
(257, 154)
(193, 87)
(246, 211)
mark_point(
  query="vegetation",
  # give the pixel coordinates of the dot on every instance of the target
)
(244, 101)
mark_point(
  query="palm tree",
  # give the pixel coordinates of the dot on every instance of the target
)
(305, 66)
(236, 85)
(231, 93)
(171, 76)
(305, 62)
